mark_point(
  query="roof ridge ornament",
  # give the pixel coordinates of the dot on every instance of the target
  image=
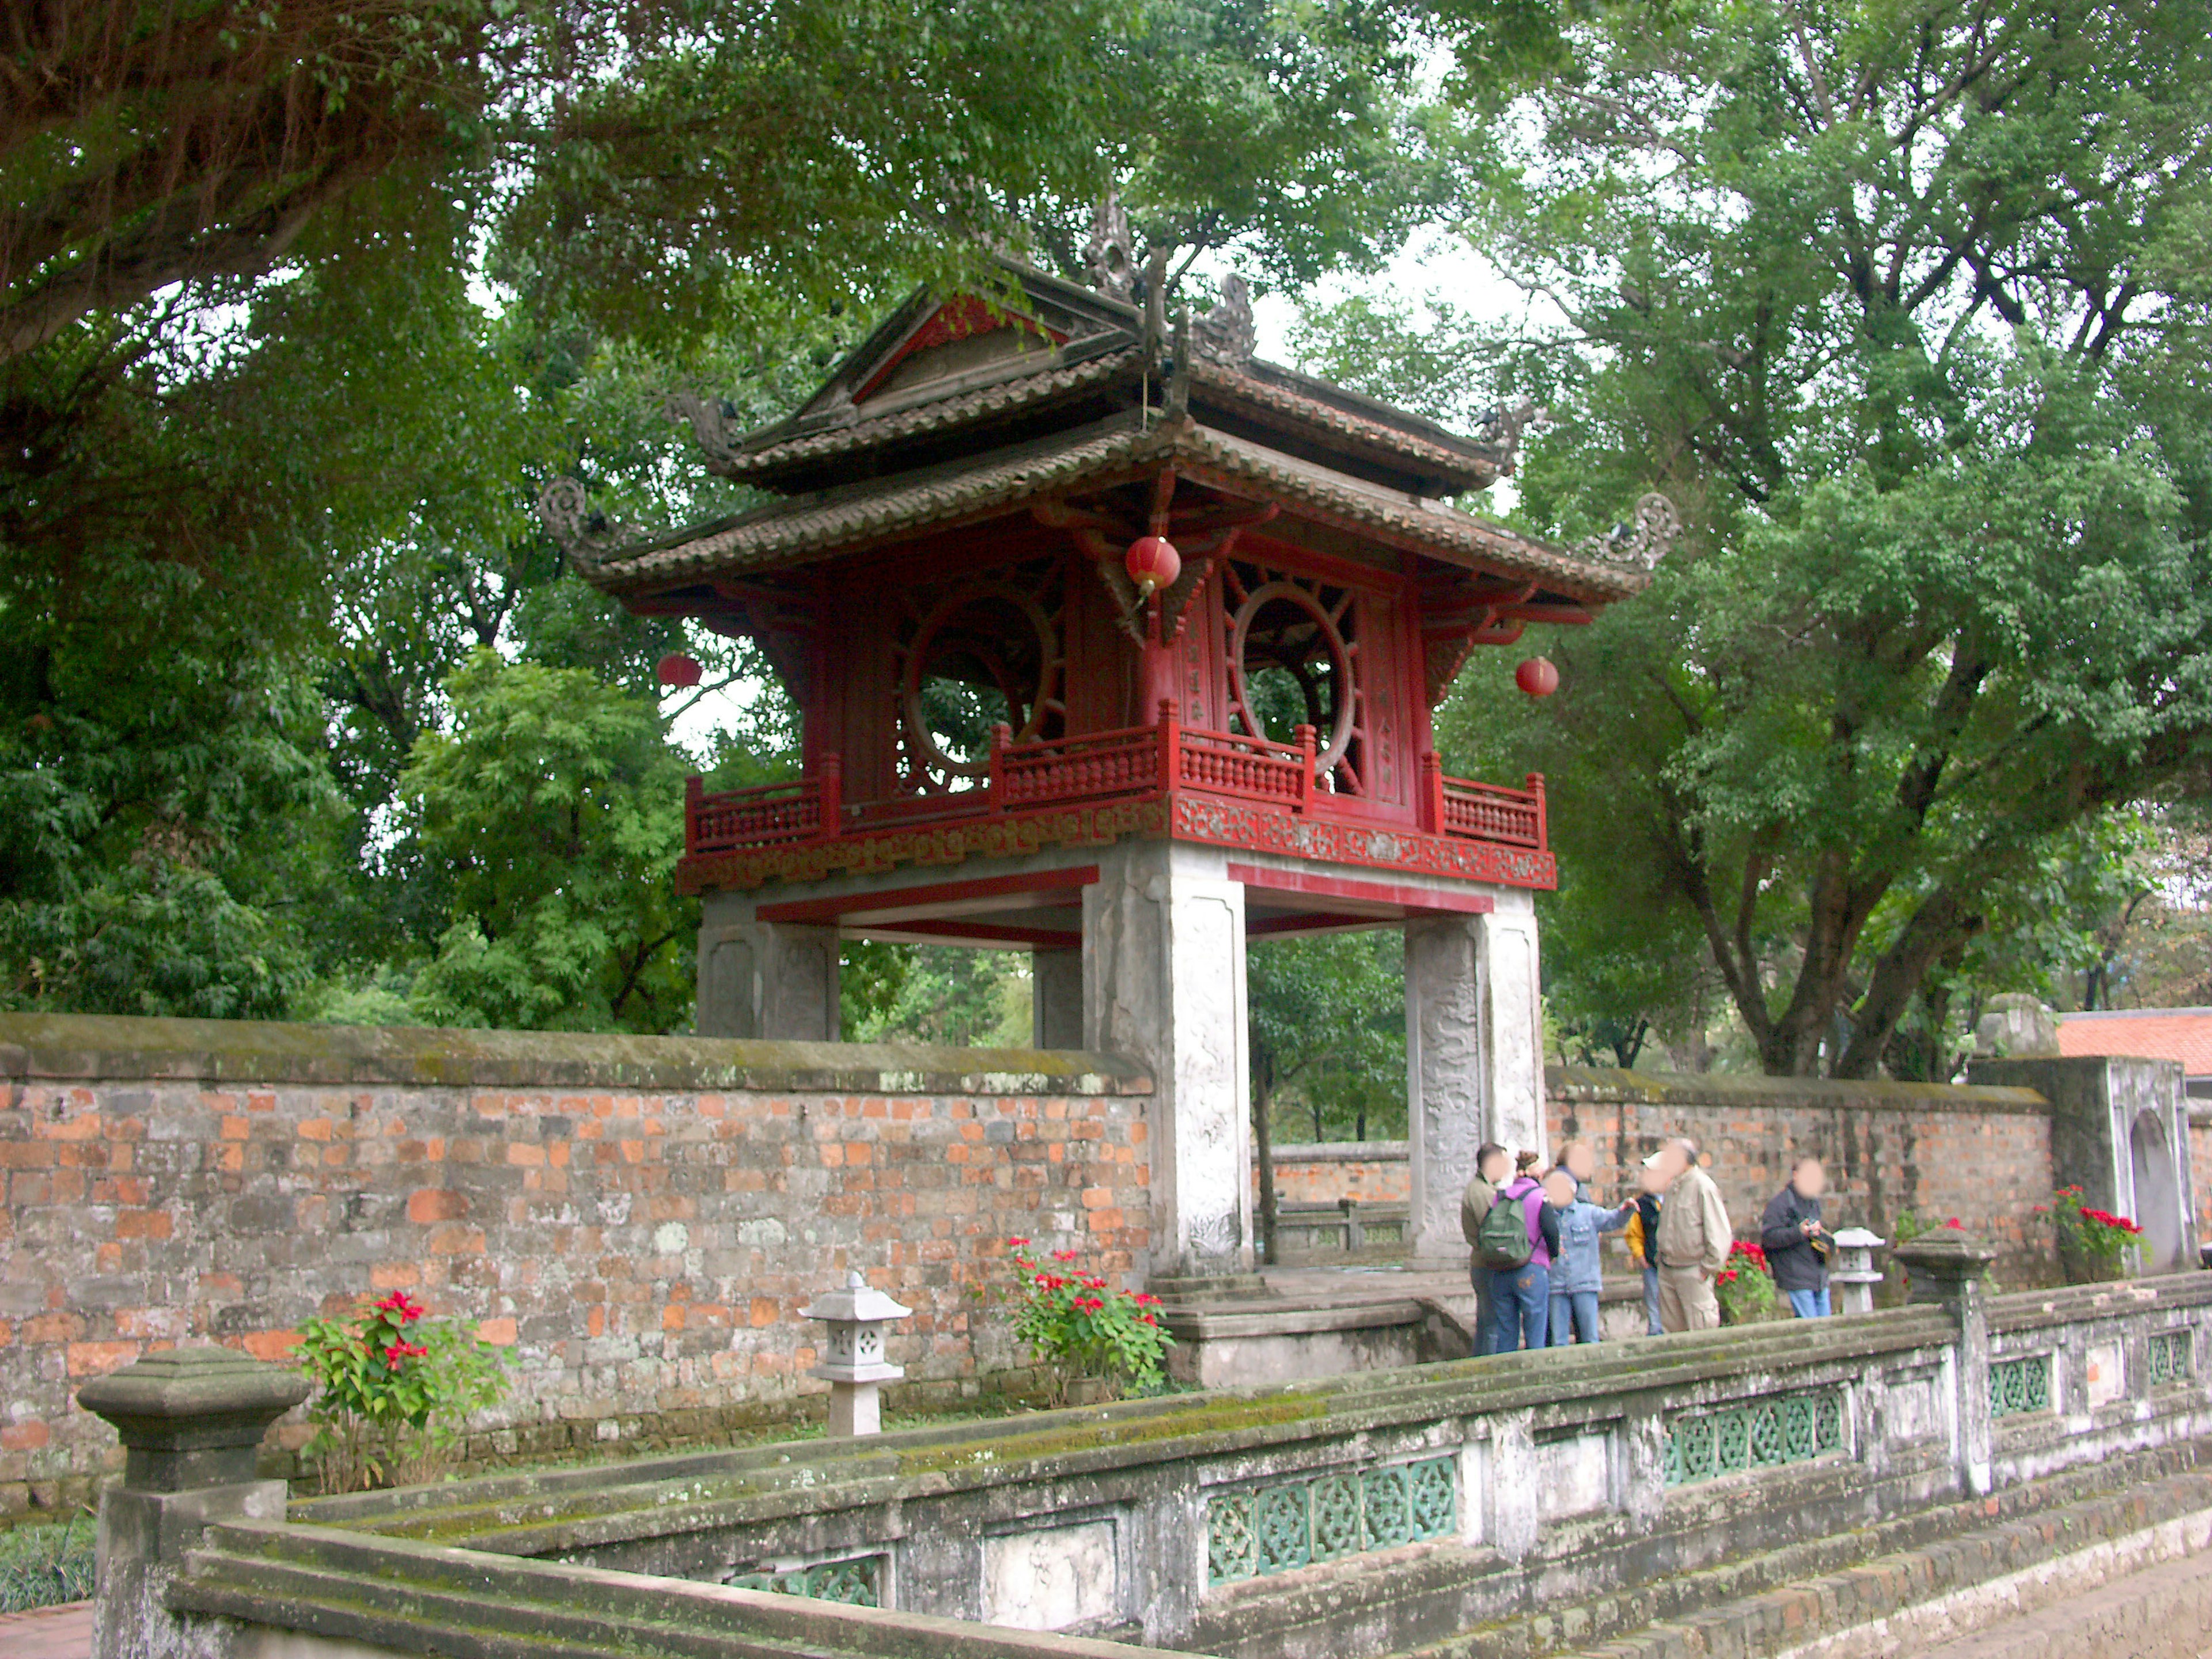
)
(1227, 333)
(1640, 543)
(586, 535)
(1109, 258)
(711, 420)
(1502, 424)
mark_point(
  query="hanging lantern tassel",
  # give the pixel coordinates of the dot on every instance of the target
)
(1537, 678)
(1152, 563)
(677, 669)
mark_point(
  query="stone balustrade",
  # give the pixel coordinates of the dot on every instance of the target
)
(1351, 1516)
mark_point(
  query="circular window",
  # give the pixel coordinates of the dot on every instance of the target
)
(1292, 668)
(984, 655)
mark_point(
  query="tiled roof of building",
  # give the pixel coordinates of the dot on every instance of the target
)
(2182, 1034)
(875, 510)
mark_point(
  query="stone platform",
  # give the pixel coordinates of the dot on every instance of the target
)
(1314, 1322)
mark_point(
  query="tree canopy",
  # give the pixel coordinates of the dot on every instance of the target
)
(1902, 304)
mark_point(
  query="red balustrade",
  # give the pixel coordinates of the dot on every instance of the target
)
(1139, 761)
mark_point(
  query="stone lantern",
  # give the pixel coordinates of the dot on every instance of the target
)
(853, 1355)
(1855, 1270)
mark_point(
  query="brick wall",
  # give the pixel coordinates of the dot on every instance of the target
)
(1321, 1172)
(639, 1220)
(1932, 1151)
(2200, 1165)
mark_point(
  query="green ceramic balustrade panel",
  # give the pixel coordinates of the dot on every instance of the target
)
(2020, 1385)
(859, 1580)
(1253, 1531)
(1758, 1434)
(2172, 1357)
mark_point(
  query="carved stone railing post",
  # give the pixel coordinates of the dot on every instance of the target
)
(191, 1421)
(1950, 1269)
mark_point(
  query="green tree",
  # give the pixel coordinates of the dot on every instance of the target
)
(557, 807)
(1905, 306)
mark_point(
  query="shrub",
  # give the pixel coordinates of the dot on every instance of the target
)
(2092, 1244)
(391, 1390)
(1745, 1286)
(1076, 1326)
(44, 1566)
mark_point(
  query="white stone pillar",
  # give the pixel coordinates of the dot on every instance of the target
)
(1164, 982)
(1474, 1057)
(1513, 1024)
(770, 980)
(1057, 999)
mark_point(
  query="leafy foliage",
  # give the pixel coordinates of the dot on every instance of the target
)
(391, 1389)
(1078, 1327)
(1328, 1032)
(1901, 306)
(1745, 1287)
(2093, 1245)
(47, 1566)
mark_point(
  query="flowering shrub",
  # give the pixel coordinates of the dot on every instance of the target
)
(2092, 1244)
(391, 1388)
(1746, 1285)
(1078, 1326)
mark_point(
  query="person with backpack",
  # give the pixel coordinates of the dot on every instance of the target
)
(1578, 1269)
(1492, 1164)
(1519, 1237)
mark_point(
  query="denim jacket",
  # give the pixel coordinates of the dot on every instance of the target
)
(1579, 1267)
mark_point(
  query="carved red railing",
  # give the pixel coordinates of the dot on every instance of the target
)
(1485, 812)
(1095, 767)
(767, 815)
(1135, 762)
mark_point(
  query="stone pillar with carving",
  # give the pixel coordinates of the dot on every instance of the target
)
(773, 981)
(191, 1421)
(1948, 1269)
(1475, 1058)
(1163, 982)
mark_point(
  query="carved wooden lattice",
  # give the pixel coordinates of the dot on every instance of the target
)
(1758, 1434)
(1253, 1531)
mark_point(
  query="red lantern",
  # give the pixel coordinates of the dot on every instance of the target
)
(1152, 563)
(1537, 678)
(677, 669)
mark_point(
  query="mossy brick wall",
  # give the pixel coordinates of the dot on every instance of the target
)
(639, 1220)
(1934, 1151)
(1372, 1171)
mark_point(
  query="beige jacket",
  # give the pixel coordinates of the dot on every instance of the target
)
(1693, 1223)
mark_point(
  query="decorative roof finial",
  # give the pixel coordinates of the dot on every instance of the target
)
(586, 535)
(711, 421)
(1227, 333)
(1644, 541)
(1502, 424)
(1110, 259)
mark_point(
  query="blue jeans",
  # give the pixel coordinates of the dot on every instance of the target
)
(1651, 1325)
(1524, 1302)
(1810, 1304)
(1574, 1317)
(1485, 1310)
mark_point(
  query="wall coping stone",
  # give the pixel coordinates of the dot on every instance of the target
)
(1596, 1083)
(109, 1048)
(2074, 1305)
(1342, 1151)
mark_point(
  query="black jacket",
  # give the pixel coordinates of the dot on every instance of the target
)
(1647, 1207)
(1789, 1256)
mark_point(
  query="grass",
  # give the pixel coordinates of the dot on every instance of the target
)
(42, 1566)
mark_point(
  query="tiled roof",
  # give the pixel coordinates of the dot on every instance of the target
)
(943, 414)
(2182, 1034)
(857, 515)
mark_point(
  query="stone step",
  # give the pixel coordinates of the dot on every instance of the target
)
(2163, 1612)
(1759, 1604)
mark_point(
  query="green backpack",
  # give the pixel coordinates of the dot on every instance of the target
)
(1503, 1235)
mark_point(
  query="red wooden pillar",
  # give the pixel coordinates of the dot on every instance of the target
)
(830, 793)
(1543, 831)
(1432, 792)
(1305, 737)
(1171, 746)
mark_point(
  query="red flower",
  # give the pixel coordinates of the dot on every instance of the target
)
(403, 1350)
(1725, 1276)
(1150, 1318)
(1955, 1222)
(1090, 1304)
(401, 1306)
(1017, 1243)
(1146, 1299)
(1063, 1255)
(1092, 1282)
(1052, 1282)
